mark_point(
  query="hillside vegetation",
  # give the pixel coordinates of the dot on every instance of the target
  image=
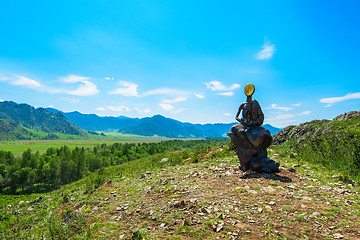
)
(15, 117)
(191, 194)
(332, 143)
(34, 172)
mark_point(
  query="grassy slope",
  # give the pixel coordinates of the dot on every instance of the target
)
(128, 202)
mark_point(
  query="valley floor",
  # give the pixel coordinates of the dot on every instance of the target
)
(207, 200)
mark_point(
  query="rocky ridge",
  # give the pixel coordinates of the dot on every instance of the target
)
(309, 130)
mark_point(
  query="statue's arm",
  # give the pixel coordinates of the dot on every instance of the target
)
(260, 116)
(238, 113)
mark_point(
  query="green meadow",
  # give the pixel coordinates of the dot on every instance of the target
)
(18, 147)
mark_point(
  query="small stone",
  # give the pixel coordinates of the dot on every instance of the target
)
(339, 190)
(162, 225)
(338, 236)
(268, 208)
(306, 166)
(307, 198)
(315, 215)
(332, 227)
(296, 165)
(95, 209)
(272, 203)
(260, 210)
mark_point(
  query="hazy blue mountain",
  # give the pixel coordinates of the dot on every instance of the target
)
(38, 119)
(93, 122)
(162, 126)
(150, 126)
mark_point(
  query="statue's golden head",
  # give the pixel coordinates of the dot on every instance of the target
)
(249, 89)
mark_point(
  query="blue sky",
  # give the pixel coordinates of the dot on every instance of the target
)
(188, 60)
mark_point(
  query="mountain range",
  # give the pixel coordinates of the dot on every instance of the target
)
(22, 121)
(150, 126)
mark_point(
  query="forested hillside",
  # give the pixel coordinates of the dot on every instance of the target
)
(59, 166)
(18, 116)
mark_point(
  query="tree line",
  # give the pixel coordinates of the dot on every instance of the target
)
(35, 172)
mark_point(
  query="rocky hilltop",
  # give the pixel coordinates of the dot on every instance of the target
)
(310, 130)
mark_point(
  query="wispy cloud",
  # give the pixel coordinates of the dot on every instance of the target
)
(179, 99)
(166, 106)
(332, 100)
(201, 96)
(267, 52)
(219, 86)
(275, 106)
(226, 94)
(127, 89)
(142, 111)
(109, 78)
(1, 100)
(281, 117)
(27, 82)
(101, 109)
(304, 113)
(71, 100)
(86, 88)
(74, 79)
(296, 104)
(227, 114)
(281, 120)
(119, 108)
(167, 92)
(179, 110)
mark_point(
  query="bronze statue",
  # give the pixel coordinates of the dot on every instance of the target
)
(250, 139)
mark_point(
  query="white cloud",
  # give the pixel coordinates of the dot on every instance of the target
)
(226, 94)
(281, 117)
(296, 104)
(199, 96)
(101, 109)
(227, 114)
(340, 99)
(179, 110)
(86, 88)
(128, 89)
(275, 106)
(109, 78)
(304, 113)
(74, 79)
(1, 100)
(118, 109)
(71, 100)
(166, 91)
(267, 51)
(179, 99)
(51, 106)
(219, 86)
(27, 82)
(328, 105)
(166, 107)
(142, 111)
